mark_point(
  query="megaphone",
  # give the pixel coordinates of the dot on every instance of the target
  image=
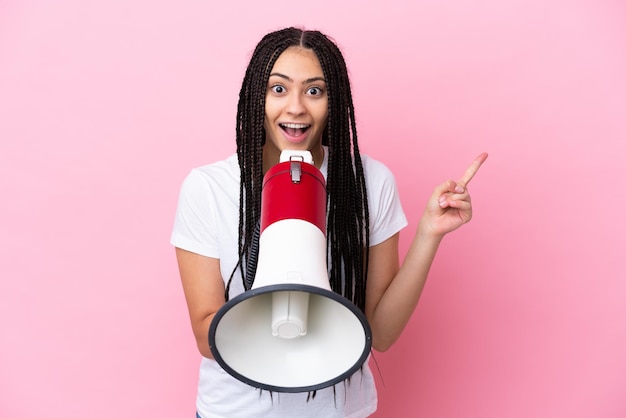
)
(290, 332)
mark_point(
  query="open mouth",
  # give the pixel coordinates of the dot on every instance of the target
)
(294, 129)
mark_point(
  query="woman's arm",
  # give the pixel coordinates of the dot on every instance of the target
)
(204, 292)
(393, 290)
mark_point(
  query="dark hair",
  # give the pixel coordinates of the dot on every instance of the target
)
(347, 210)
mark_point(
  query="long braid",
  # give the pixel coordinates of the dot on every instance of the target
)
(348, 213)
(250, 134)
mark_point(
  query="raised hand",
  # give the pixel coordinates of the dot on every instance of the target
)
(450, 205)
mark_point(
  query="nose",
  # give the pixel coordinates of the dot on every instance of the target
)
(295, 105)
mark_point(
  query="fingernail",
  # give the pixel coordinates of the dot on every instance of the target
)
(459, 189)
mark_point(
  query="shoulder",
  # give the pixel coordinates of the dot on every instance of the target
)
(225, 169)
(377, 174)
(220, 174)
(373, 165)
(217, 182)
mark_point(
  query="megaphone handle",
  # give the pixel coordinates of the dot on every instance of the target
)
(253, 257)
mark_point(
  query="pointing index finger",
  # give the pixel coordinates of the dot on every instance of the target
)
(472, 170)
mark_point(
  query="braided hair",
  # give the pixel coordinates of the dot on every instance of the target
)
(347, 211)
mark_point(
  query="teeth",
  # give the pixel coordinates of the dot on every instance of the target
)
(294, 125)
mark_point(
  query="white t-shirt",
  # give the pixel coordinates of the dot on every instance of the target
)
(206, 223)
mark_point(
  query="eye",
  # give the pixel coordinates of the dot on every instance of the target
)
(278, 89)
(315, 91)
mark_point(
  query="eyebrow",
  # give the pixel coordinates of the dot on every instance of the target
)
(308, 80)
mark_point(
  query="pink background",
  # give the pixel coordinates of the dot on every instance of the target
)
(105, 106)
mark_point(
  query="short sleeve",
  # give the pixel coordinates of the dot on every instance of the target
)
(195, 221)
(387, 216)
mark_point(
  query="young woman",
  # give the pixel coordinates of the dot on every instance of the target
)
(296, 95)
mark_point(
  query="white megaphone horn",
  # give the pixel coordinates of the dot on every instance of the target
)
(290, 332)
